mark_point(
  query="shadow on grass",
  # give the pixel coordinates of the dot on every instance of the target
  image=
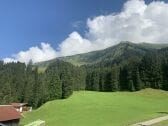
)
(162, 112)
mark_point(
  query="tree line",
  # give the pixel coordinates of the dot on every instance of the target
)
(151, 71)
(23, 83)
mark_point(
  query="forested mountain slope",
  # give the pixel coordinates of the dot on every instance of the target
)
(110, 54)
(124, 67)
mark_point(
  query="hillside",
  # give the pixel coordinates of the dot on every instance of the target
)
(85, 108)
(117, 52)
(124, 67)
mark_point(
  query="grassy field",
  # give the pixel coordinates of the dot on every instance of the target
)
(86, 108)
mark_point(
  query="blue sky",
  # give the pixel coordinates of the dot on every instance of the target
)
(28, 23)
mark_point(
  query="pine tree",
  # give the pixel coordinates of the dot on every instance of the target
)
(123, 79)
(6, 97)
(108, 82)
(88, 81)
(55, 87)
(95, 81)
(101, 81)
(36, 88)
(67, 87)
(137, 81)
(115, 77)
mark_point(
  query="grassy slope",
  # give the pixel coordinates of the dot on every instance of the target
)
(102, 109)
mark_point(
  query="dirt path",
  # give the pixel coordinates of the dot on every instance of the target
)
(152, 121)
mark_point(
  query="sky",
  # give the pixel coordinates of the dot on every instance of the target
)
(45, 29)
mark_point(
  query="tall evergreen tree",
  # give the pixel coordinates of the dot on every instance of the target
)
(67, 89)
(55, 87)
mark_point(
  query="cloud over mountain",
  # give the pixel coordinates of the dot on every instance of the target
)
(137, 22)
(36, 54)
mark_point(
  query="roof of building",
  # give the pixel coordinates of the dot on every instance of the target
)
(18, 104)
(8, 112)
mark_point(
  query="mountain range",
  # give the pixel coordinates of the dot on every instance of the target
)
(114, 54)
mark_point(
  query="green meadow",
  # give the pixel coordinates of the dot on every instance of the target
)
(88, 108)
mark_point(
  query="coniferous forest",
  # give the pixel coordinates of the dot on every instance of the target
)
(131, 71)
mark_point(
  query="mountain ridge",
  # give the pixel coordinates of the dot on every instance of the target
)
(123, 49)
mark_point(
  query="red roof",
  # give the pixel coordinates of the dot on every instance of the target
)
(18, 104)
(8, 113)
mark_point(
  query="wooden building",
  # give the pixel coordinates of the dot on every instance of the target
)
(9, 116)
(21, 107)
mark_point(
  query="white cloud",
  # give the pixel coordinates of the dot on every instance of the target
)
(36, 54)
(9, 60)
(137, 22)
(74, 44)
